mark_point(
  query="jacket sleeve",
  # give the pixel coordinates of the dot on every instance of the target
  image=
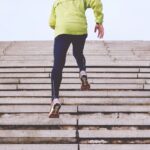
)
(97, 7)
(52, 18)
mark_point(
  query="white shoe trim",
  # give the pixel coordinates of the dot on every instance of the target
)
(82, 73)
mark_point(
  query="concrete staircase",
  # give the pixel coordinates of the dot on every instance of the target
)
(113, 115)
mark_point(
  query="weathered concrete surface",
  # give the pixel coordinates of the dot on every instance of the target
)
(114, 147)
(39, 146)
(113, 115)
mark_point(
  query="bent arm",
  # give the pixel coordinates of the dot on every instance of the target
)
(97, 7)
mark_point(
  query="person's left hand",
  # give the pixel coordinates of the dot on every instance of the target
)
(100, 29)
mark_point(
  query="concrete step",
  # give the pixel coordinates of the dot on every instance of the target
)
(95, 121)
(36, 136)
(38, 146)
(113, 108)
(77, 80)
(74, 146)
(93, 69)
(114, 146)
(34, 109)
(76, 93)
(48, 57)
(73, 109)
(73, 86)
(75, 75)
(114, 134)
(37, 80)
(75, 101)
(37, 119)
(89, 63)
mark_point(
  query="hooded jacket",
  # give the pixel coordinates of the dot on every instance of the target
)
(68, 16)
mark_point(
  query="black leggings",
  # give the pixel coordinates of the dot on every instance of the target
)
(61, 45)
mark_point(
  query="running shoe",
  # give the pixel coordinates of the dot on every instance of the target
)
(84, 85)
(54, 110)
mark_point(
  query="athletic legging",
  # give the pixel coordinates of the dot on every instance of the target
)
(61, 45)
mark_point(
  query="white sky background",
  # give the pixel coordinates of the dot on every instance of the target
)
(28, 20)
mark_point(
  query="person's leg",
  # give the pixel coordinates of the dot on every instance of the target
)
(61, 45)
(78, 46)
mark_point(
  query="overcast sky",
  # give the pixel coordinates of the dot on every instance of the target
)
(28, 20)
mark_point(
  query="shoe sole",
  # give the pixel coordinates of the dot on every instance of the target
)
(85, 87)
(55, 111)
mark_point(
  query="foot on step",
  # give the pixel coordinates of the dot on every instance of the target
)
(55, 107)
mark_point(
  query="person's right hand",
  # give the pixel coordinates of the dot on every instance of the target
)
(100, 29)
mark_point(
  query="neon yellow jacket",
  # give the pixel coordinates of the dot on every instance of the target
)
(68, 16)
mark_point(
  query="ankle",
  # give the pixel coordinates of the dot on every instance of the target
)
(82, 74)
(55, 99)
